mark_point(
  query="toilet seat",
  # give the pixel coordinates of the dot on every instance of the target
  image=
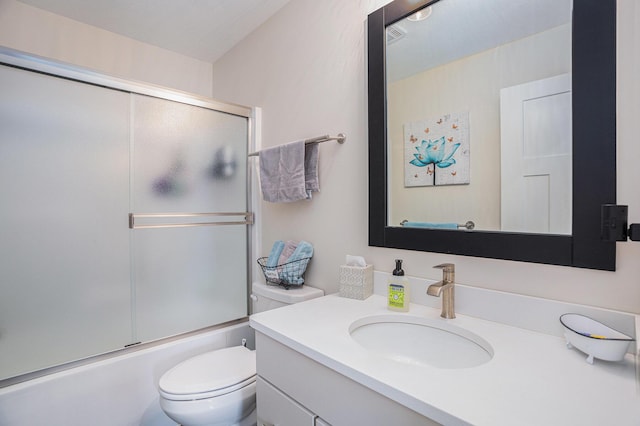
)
(209, 375)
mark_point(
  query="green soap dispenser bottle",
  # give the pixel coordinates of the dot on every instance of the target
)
(398, 290)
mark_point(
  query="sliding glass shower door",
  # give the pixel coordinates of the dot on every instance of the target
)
(185, 160)
(123, 219)
(64, 252)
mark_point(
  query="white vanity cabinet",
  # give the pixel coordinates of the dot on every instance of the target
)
(294, 390)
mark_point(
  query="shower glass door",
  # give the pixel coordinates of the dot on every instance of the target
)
(123, 218)
(188, 168)
(65, 292)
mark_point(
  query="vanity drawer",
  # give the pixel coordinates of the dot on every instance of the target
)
(276, 408)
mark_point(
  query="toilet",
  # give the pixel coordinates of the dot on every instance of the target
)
(218, 388)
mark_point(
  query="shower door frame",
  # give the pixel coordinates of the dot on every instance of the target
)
(29, 62)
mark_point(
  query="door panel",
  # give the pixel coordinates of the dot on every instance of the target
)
(536, 156)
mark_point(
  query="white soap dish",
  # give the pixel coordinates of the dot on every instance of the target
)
(594, 338)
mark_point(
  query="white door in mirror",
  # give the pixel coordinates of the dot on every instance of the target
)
(535, 126)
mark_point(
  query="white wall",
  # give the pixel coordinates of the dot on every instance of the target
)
(306, 68)
(42, 33)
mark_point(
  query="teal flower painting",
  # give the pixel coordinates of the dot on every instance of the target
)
(436, 151)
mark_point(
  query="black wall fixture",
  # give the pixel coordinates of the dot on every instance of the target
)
(615, 226)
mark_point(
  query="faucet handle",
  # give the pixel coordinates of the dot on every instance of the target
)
(446, 267)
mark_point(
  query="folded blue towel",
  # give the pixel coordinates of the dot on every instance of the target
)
(430, 225)
(274, 255)
(292, 271)
(304, 249)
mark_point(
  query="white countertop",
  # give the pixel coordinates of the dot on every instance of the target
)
(532, 379)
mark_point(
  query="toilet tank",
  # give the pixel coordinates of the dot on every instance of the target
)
(265, 297)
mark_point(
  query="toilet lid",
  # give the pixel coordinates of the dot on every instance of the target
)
(212, 371)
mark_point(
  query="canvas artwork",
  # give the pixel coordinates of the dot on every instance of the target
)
(436, 151)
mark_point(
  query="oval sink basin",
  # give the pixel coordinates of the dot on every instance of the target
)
(421, 341)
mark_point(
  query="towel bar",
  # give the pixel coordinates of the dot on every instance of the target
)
(468, 225)
(340, 139)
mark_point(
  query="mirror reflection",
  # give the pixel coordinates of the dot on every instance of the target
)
(479, 116)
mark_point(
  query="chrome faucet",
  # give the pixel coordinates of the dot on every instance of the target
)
(445, 288)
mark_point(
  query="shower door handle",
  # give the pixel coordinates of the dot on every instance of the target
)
(183, 220)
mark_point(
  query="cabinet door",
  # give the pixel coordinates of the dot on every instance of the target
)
(277, 409)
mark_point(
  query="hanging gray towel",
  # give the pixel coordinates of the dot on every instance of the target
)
(312, 184)
(289, 172)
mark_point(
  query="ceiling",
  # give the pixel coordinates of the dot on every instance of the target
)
(459, 28)
(201, 29)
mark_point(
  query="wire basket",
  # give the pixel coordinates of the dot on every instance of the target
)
(286, 274)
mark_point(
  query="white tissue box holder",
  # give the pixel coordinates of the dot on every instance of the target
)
(356, 282)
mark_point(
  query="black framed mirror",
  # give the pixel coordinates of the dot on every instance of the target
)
(593, 126)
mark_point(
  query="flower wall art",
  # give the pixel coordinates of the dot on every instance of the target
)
(436, 151)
